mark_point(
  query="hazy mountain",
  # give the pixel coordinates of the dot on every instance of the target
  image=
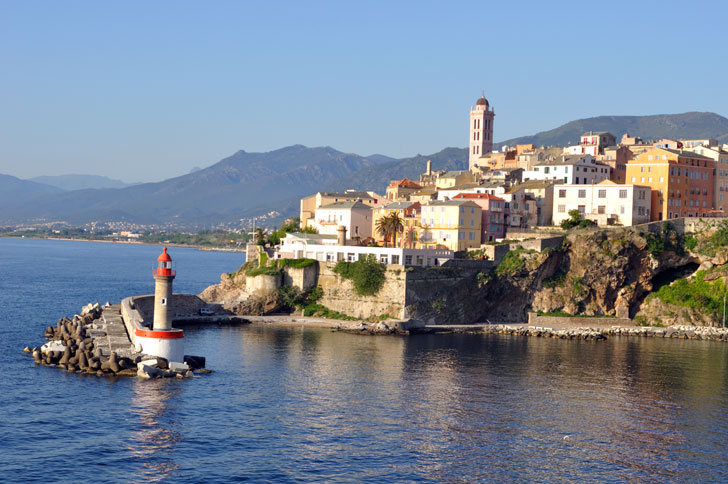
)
(81, 182)
(14, 191)
(685, 125)
(377, 178)
(241, 185)
(250, 184)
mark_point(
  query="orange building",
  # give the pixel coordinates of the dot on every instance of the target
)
(681, 182)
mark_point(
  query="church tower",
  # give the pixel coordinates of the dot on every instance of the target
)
(481, 131)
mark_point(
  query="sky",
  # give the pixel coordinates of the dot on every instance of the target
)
(143, 91)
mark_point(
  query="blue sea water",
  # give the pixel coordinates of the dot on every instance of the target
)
(310, 405)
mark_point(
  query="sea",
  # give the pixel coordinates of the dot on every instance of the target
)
(298, 405)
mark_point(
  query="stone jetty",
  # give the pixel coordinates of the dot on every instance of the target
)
(96, 342)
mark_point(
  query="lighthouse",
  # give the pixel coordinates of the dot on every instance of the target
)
(162, 340)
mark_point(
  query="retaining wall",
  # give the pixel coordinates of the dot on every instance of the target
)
(550, 321)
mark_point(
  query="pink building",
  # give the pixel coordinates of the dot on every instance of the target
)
(493, 214)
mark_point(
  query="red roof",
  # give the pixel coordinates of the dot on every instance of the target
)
(479, 196)
(405, 183)
(164, 257)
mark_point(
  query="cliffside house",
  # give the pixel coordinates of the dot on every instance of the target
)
(311, 203)
(320, 248)
(355, 216)
(400, 190)
(570, 170)
(451, 224)
(451, 179)
(493, 214)
(682, 182)
(720, 183)
(409, 212)
(606, 203)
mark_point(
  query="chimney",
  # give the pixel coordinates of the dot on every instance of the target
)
(341, 235)
(429, 167)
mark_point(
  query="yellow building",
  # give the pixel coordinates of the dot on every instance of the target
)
(451, 179)
(451, 224)
(409, 212)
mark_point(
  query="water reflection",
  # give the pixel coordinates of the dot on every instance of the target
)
(155, 435)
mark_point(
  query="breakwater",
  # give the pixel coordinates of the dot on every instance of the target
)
(96, 342)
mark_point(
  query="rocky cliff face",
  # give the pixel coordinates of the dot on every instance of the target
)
(594, 272)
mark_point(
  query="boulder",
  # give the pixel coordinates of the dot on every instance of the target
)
(147, 372)
(194, 362)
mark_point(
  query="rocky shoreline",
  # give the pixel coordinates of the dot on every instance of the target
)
(589, 333)
(86, 344)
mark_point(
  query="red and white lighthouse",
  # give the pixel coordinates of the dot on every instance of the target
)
(163, 340)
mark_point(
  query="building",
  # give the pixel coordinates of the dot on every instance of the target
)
(682, 182)
(493, 214)
(542, 195)
(311, 203)
(298, 246)
(593, 142)
(606, 203)
(409, 213)
(521, 208)
(451, 179)
(719, 156)
(451, 224)
(528, 159)
(355, 216)
(670, 144)
(692, 143)
(616, 157)
(399, 190)
(481, 131)
(424, 196)
(570, 169)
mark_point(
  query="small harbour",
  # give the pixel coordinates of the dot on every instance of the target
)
(305, 404)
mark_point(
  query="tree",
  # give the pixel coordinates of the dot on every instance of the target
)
(396, 225)
(383, 228)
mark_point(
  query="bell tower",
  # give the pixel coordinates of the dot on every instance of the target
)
(481, 131)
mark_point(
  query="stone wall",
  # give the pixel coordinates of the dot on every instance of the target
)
(182, 305)
(339, 294)
(304, 279)
(539, 244)
(551, 321)
(262, 284)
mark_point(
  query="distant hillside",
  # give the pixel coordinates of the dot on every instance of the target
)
(81, 182)
(242, 185)
(377, 178)
(14, 191)
(686, 125)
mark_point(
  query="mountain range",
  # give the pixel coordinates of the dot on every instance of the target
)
(81, 182)
(246, 184)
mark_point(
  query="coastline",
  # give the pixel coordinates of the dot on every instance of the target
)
(129, 242)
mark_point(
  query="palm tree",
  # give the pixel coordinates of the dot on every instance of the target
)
(383, 229)
(396, 225)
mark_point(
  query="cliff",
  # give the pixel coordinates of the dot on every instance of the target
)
(656, 274)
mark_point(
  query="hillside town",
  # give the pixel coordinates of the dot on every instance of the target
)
(514, 190)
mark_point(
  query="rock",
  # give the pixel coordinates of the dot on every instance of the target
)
(66, 356)
(162, 363)
(147, 372)
(194, 362)
(189, 374)
(114, 362)
(37, 356)
(178, 367)
(82, 361)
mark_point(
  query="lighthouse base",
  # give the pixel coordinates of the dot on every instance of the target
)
(168, 344)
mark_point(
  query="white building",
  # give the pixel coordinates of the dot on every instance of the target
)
(570, 170)
(355, 216)
(298, 246)
(605, 203)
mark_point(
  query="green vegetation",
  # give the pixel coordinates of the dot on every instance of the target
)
(389, 226)
(478, 254)
(296, 263)
(557, 280)
(319, 311)
(695, 293)
(576, 219)
(367, 274)
(264, 271)
(512, 263)
(714, 243)
(690, 242)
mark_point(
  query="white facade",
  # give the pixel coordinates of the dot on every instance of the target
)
(604, 203)
(385, 255)
(571, 170)
(355, 216)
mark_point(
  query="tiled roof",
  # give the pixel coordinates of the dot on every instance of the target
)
(405, 183)
(345, 206)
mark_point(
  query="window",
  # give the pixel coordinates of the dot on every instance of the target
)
(407, 260)
(601, 209)
(582, 194)
(562, 209)
(471, 235)
(581, 208)
(562, 193)
(623, 194)
(602, 194)
(395, 259)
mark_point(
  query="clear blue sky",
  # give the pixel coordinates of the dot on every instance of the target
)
(145, 90)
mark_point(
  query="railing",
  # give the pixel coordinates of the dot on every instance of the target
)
(164, 272)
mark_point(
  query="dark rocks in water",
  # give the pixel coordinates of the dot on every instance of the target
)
(126, 363)
(114, 362)
(66, 356)
(94, 364)
(97, 352)
(162, 363)
(194, 362)
(37, 356)
(82, 361)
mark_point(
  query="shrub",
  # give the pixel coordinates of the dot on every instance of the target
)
(576, 219)
(511, 264)
(690, 242)
(556, 280)
(367, 274)
(296, 263)
(289, 297)
(264, 271)
(695, 294)
(324, 312)
(315, 294)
